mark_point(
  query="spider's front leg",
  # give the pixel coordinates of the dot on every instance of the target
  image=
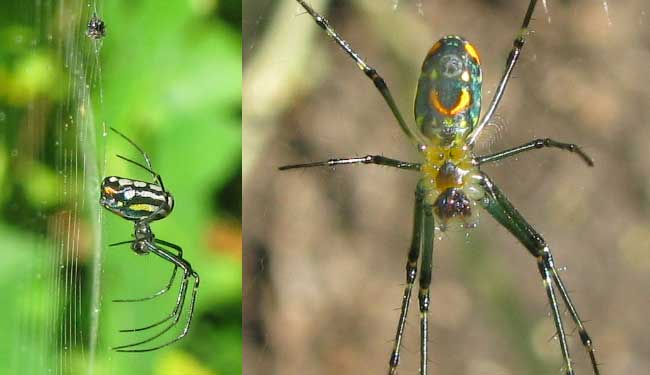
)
(188, 273)
(143, 234)
(179, 299)
(411, 273)
(169, 283)
(428, 229)
(505, 213)
(423, 231)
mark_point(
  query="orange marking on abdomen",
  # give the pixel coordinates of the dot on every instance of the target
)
(434, 48)
(472, 52)
(461, 104)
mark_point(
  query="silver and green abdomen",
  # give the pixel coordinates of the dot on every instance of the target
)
(448, 97)
(135, 200)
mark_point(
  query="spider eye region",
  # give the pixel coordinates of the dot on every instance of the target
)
(135, 200)
(448, 97)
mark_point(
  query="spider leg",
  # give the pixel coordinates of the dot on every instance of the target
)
(513, 57)
(155, 175)
(425, 280)
(144, 154)
(584, 336)
(149, 168)
(157, 294)
(187, 273)
(368, 159)
(369, 71)
(411, 273)
(535, 145)
(121, 243)
(179, 303)
(504, 212)
(161, 291)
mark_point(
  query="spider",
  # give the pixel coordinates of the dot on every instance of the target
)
(143, 202)
(96, 29)
(452, 185)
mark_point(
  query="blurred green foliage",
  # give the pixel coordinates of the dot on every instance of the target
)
(168, 75)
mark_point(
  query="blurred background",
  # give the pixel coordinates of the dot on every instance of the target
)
(168, 75)
(325, 248)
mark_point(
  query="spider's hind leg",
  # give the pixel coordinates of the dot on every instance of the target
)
(504, 212)
(147, 160)
(156, 177)
(370, 72)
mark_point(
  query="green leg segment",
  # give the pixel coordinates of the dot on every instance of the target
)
(411, 272)
(505, 213)
(425, 281)
(536, 145)
(368, 159)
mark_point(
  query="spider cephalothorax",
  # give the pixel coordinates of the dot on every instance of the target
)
(452, 182)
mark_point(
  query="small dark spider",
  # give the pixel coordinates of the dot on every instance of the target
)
(142, 203)
(96, 28)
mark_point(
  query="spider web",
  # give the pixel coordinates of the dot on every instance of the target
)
(53, 121)
(51, 223)
(53, 133)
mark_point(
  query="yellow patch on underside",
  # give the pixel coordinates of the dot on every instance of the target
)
(143, 207)
(462, 103)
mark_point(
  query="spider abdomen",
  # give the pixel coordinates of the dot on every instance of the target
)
(448, 97)
(135, 200)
